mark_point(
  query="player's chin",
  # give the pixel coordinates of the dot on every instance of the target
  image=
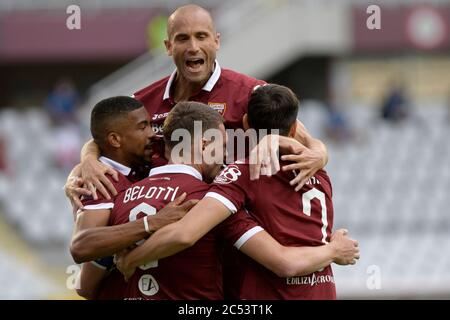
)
(197, 77)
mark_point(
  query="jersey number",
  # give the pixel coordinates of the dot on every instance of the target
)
(149, 211)
(306, 201)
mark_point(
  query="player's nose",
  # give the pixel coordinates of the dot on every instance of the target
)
(193, 46)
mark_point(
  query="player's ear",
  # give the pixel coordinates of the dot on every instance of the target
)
(217, 40)
(168, 47)
(245, 122)
(293, 130)
(114, 139)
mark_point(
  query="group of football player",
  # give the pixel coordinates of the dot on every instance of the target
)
(151, 224)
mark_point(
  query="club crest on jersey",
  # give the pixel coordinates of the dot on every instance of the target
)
(228, 175)
(220, 107)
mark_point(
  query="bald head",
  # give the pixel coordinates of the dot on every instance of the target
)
(188, 13)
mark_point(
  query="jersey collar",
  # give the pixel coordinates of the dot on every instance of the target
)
(207, 87)
(115, 165)
(176, 168)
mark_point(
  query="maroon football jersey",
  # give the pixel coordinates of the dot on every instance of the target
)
(194, 273)
(302, 218)
(112, 287)
(126, 178)
(226, 91)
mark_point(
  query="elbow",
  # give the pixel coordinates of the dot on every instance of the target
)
(78, 250)
(285, 270)
(87, 294)
(76, 253)
(288, 267)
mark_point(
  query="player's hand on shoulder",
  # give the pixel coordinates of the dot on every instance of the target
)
(93, 173)
(306, 162)
(346, 249)
(74, 189)
(263, 158)
(172, 212)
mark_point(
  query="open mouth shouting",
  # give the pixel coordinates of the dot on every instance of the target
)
(194, 65)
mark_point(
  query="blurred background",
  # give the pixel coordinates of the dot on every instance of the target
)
(379, 99)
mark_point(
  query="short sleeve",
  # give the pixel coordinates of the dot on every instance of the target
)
(231, 186)
(238, 228)
(102, 203)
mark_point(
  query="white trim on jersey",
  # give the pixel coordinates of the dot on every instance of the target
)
(209, 85)
(246, 236)
(176, 168)
(227, 203)
(169, 84)
(115, 165)
(213, 79)
(107, 205)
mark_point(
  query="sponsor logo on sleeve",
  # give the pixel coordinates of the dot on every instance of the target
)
(228, 175)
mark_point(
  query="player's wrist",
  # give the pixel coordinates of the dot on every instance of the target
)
(148, 225)
(322, 153)
(332, 251)
(89, 157)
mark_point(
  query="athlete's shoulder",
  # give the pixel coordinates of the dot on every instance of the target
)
(239, 79)
(238, 170)
(122, 184)
(185, 182)
(156, 88)
(321, 180)
(322, 174)
(194, 187)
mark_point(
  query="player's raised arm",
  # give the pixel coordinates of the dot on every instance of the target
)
(93, 172)
(89, 176)
(309, 160)
(309, 155)
(74, 189)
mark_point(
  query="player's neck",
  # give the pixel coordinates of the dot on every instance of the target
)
(197, 167)
(185, 89)
(119, 158)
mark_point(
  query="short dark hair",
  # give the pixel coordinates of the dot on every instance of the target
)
(273, 106)
(106, 112)
(183, 115)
